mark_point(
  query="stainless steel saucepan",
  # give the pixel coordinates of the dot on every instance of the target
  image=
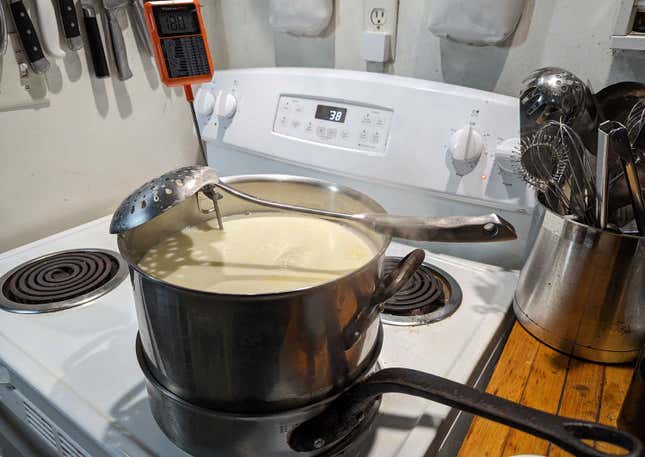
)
(265, 352)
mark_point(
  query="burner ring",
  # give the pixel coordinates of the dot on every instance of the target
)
(430, 296)
(61, 280)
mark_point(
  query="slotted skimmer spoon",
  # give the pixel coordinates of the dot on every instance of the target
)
(162, 193)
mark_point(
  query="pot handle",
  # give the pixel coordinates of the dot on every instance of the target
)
(387, 288)
(346, 412)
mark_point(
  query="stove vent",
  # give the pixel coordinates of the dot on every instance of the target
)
(50, 433)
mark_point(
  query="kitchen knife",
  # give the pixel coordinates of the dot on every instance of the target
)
(112, 8)
(101, 68)
(69, 21)
(48, 28)
(28, 37)
(140, 25)
(4, 32)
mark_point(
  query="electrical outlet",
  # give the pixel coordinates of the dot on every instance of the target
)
(377, 17)
(380, 17)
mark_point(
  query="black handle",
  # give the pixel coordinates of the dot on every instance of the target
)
(346, 412)
(28, 37)
(69, 19)
(97, 51)
(388, 287)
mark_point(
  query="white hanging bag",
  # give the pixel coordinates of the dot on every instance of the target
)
(301, 17)
(477, 22)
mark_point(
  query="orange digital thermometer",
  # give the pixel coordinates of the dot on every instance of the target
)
(179, 41)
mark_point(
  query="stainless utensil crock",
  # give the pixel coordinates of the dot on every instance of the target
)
(582, 290)
(261, 353)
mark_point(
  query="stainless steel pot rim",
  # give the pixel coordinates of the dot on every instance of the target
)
(595, 230)
(147, 373)
(273, 295)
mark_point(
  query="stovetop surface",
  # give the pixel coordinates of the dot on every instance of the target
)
(82, 360)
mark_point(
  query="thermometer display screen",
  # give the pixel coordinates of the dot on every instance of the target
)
(331, 113)
(177, 22)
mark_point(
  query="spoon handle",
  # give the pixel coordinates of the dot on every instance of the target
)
(456, 229)
(453, 229)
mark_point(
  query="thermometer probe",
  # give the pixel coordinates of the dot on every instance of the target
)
(180, 46)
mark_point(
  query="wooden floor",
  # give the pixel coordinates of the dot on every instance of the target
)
(535, 375)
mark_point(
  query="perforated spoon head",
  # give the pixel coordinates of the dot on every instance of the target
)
(159, 195)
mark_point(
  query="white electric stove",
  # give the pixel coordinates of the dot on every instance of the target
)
(70, 384)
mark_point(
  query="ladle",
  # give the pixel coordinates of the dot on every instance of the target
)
(170, 189)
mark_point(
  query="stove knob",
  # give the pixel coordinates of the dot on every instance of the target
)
(507, 161)
(225, 105)
(466, 147)
(204, 102)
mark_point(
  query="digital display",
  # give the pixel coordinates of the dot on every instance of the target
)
(331, 113)
(177, 22)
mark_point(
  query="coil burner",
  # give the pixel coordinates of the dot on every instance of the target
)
(61, 280)
(430, 296)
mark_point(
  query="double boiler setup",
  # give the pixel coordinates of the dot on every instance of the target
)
(295, 372)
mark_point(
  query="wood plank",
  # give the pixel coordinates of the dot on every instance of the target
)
(614, 390)
(543, 391)
(486, 438)
(582, 396)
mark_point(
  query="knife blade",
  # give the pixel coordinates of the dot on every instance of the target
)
(112, 9)
(4, 32)
(48, 28)
(29, 40)
(69, 21)
(140, 25)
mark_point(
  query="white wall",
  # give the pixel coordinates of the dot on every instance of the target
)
(99, 139)
(570, 33)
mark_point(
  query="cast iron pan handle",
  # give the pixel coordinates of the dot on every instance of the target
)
(347, 411)
(387, 288)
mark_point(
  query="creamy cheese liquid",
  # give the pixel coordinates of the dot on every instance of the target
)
(258, 254)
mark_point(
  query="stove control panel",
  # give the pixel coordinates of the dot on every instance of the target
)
(452, 141)
(333, 123)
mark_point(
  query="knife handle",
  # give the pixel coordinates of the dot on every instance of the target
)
(118, 45)
(28, 37)
(97, 51)
(71, 27)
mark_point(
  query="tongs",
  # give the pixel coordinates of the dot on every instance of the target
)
(166, 191)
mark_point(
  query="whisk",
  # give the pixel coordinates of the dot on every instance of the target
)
(542, 163)
(555, 162)
(636, 121)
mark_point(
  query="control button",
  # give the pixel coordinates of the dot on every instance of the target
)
(367, 119)
(331, 133)
(286, 105)
(205, 102)
(309, 128)
(295, 124)
(466, 147)
(380, 121)
(225, 105)
(283, 120)
(363, 135)
(344, 134)
(507, 162)
(375, 137)
(321, 132)
(298, 107)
